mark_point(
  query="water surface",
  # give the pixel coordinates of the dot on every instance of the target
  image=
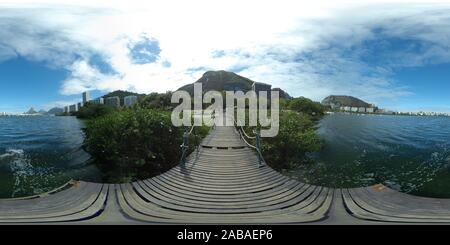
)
(408, 153)
(40, 153)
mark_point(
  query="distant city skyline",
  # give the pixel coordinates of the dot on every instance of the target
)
(394, 55)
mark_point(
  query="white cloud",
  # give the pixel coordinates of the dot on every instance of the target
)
(309, 49)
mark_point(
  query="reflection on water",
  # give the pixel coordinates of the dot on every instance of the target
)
(40, 153)
(409, 154)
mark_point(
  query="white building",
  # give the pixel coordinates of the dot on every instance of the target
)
(86, 97)
(129, 101)
(354, 109)
(73, 108)
(370, 110)
(99, 101)
(113, 101)
(66, 109)
(362, 109)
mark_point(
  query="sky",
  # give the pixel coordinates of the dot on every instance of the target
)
(395, 54)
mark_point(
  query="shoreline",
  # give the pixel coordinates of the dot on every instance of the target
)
(382, 114)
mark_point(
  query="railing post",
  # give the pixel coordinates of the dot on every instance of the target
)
(184, 147)
(258, 146)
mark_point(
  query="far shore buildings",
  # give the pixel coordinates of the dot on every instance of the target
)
(129, 101)
(73, 108)
(112, 101)
(86, 97)
(99, 101)
(358, 109)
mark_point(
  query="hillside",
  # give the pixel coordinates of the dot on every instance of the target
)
(343, 100)
(224, 80)
(283, 94)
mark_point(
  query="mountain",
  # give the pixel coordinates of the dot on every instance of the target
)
(42, 111)
(55, 111)
(225, 80)
(282, 93)
(121, 94)
(31, 111)
(343, 100)
(219, 81)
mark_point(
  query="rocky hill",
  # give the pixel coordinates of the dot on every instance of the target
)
(343, 100)
(223, 81)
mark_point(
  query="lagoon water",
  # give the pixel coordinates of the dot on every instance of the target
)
(40, 153)
(408, 153)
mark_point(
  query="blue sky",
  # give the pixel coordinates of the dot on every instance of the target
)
(395, 55)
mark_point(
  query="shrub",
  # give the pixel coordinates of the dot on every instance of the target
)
(133, 144)
(90, 111)
(295, 139)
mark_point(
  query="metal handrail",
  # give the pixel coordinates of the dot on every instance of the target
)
(257, 136)
(185, 146)
(242, 128)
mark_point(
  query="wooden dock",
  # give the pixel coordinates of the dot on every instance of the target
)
(222, 183)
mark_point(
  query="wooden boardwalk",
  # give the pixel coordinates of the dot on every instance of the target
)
(222, 183)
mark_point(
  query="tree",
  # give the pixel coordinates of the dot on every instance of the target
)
(307, 106)
(156, 101)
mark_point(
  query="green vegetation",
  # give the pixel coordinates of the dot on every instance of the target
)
(91, 110)
(305, 106)
(157, 101)
(297, 136)
(135, 143)
(140, 142)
